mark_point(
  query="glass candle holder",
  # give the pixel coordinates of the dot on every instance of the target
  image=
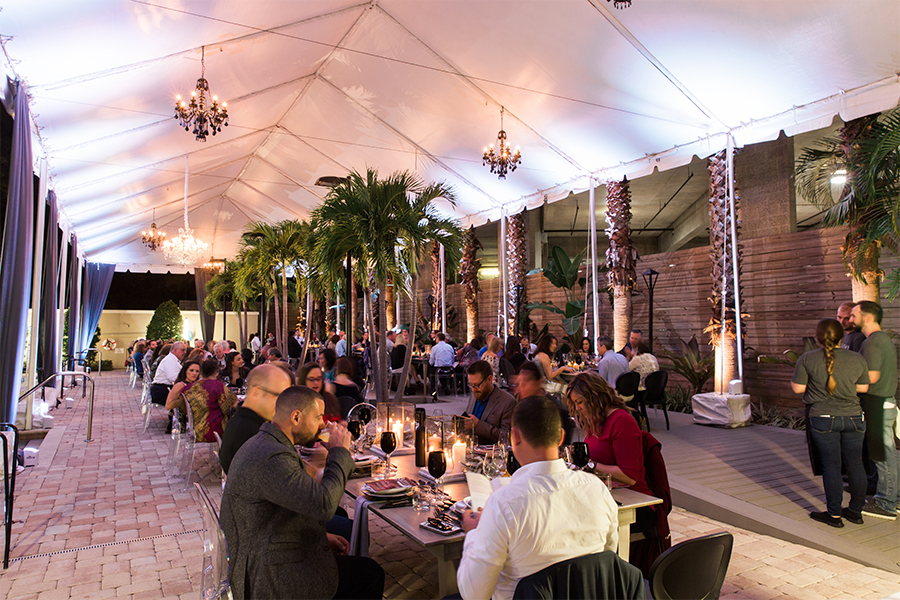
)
(398, 417)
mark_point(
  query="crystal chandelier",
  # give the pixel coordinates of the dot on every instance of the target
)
(184, 248)
(204, 120)
(154, 238)
(503, 160)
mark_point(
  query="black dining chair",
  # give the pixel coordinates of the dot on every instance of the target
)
(602, 575)
(692, 569)
(655, 394)
(627, 385)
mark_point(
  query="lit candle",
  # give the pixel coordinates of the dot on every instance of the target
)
(434, 442)
(459, 455)
(397, 428)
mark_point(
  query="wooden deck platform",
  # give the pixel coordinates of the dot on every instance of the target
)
(759, 478)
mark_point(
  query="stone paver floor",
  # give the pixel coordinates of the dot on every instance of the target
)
(102, 521)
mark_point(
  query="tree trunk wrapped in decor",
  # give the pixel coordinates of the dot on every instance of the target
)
(436, 279)
(468, 271)
(722, 272)
(390, 305)
(516, 257)
(621, 257)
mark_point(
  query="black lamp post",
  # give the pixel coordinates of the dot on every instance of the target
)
(650, 276)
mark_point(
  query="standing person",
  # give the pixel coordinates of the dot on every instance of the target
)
(829, 379)
(274, 513)
(880, 408)
(547, 513)
(853, 337)
(611, 364)
(340, 347)
(490, 409)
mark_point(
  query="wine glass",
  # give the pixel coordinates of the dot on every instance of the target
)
(365, 415)
(437, 466)
(388, 444)
(580, 454)
(495, 464)
(355, 429)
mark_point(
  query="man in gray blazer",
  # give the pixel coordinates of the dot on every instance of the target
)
(273, 513)
(490, 409)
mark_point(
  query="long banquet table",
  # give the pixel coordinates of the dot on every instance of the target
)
(447, 550)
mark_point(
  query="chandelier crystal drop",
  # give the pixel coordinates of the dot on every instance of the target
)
(503, 160)
(184, 248)
(201, 116)
(154, 238)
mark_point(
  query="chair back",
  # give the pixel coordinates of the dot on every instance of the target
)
(214, 577)
(346, 403)
(627, 384)
(603, 575)
(692, 569)
(656, 385)
(507, 371)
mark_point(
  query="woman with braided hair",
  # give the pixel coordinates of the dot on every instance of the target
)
(829, 379)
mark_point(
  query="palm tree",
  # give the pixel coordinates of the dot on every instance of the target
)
(437, 278)
(723, 281)
(621, 257)
(222, 286)
(468, 271)
(517, 255)
(868, 151)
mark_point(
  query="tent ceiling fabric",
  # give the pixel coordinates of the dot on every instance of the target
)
(320, 87)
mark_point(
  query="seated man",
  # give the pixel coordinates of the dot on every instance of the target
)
(547, 513)
(612, 364)
(442, 355)
(529, 382)
(490, 409)
(273, 513)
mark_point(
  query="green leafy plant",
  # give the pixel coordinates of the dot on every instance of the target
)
(692, 365)
(790, 356)
(166, 322)
(563, 273)
(678, 399)
(763, 414)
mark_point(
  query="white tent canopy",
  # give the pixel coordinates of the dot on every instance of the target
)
(317, 88)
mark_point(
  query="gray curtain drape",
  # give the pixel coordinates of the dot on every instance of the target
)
(207, 320)
(49, 359)
(16, 257)
(73, 302)
(97, 279)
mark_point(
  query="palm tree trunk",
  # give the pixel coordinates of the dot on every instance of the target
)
(275, 304)
(391, 315)
(377, 371)
(240, 327)
(621, 315)
(284, 311)
(407, 360)
(517, 254)
(308, 331)
(870, 289)
(382, 347)
(245, 340)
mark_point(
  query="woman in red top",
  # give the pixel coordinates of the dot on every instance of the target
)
(612, 435)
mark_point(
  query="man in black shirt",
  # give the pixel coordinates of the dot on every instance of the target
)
(264, 384)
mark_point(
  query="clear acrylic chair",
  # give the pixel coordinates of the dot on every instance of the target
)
(214, 577)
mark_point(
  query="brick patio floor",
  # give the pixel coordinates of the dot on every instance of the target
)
(100, 520)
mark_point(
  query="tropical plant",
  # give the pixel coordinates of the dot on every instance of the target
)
(790, 356)
(621, 257)
(723, 291)
(563, 272)
(764, 414)
(166, 322)
(690, 364)
(468, 272)
(516, 257)
(679, 399)
(222, 287)
(868, 151)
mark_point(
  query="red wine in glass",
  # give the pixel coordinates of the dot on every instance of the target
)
(388, 444)
(580, 454)
(437, 465)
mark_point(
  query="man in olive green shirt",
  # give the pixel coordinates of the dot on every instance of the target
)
(880, 409)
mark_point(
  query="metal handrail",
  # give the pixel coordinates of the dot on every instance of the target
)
(70, 374)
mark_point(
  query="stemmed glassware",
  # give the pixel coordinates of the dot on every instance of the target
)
(355, 429)
(580, 454)
(495, 464)
(437, 466)
(388, 444)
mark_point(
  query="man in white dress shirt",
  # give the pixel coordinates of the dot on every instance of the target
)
(167, 373)
(545, 515)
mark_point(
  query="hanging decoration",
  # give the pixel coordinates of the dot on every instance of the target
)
(154, 238)
(201, 116)
(503, 160)
(184, 248)
(620, 3)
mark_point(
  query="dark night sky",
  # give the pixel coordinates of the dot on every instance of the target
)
(146, 291)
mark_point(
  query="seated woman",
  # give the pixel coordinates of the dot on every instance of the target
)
(513, 352)
(643, 362)
(190, 372)
(210, 402)
(327, 358)
(587, 349)
(311, 376)
(235, 371)
(138, 358)
(545, 350)
(344, 386)
(612, 435)
(492, 358)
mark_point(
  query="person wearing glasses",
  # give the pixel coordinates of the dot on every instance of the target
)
(490, 409)
(264, 384)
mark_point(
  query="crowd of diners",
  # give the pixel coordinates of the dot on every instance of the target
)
(288, 537)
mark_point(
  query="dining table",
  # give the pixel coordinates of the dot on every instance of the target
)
(447, 549)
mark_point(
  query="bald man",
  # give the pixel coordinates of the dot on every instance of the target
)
(264, 384)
